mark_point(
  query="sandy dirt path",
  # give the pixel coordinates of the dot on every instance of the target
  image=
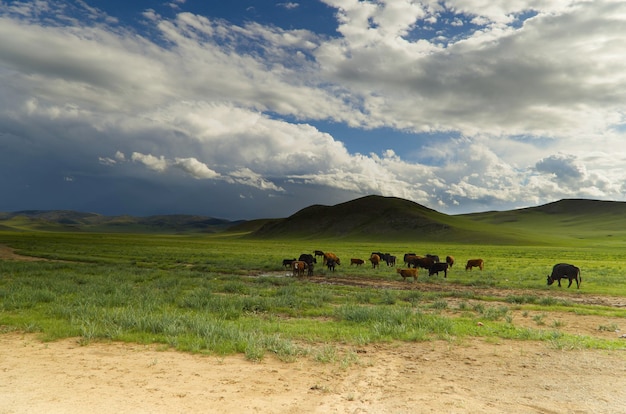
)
(434, 377)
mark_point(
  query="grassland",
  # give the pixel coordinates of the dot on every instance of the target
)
(225, 294)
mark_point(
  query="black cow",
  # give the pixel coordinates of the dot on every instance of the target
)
(407, 256)
(307, 258)
(287, 262)
(435, 268)
(331, 263)
(434, 257)
(564, 270)
(390, 259)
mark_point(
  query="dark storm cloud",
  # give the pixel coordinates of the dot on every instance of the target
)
(190, 112)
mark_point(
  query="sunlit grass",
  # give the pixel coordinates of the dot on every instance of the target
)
(224, 295)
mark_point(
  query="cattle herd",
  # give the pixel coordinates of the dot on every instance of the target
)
(412, 262)
(306, 263)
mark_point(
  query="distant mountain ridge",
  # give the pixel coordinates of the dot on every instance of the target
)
(80, 221)
(366, 218)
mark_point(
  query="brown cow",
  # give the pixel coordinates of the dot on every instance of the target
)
(408, 273)
(298, 267)
(423, 262)
(475, 263)
(450, 261)
(375, 259)
(407, 256)
(357, 262)
(331, 256)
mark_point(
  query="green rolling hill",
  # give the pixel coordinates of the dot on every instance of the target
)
(370, 218)
(572, 220)
(389, 218)
(385, 218)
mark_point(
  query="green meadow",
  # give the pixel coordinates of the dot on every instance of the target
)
(223, 294)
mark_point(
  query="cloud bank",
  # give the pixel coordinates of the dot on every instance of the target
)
(495, 105)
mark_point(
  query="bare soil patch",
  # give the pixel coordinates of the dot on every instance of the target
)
(469, 376)
(434, 377)
(8, 253)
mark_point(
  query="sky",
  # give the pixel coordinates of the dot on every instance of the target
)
(247, 109)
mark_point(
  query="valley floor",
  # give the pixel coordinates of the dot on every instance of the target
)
(466, 376)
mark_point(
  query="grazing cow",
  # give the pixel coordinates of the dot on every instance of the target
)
(331, 256)
(330, 263)
(475, 263)
(564, 270)
(408, 255)
(391, 260)
(318, 253)
(307, 258)
(380, 254)
(423, 262)
(375, 259)
(298, 267)
(357, 262)
(287, 262)
(407, 273)
(434, 257)
(450, 261)
(438, 267)
(410, 258)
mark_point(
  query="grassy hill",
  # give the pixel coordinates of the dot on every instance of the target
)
(565, 220)
(371, 218)
(384, 218)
